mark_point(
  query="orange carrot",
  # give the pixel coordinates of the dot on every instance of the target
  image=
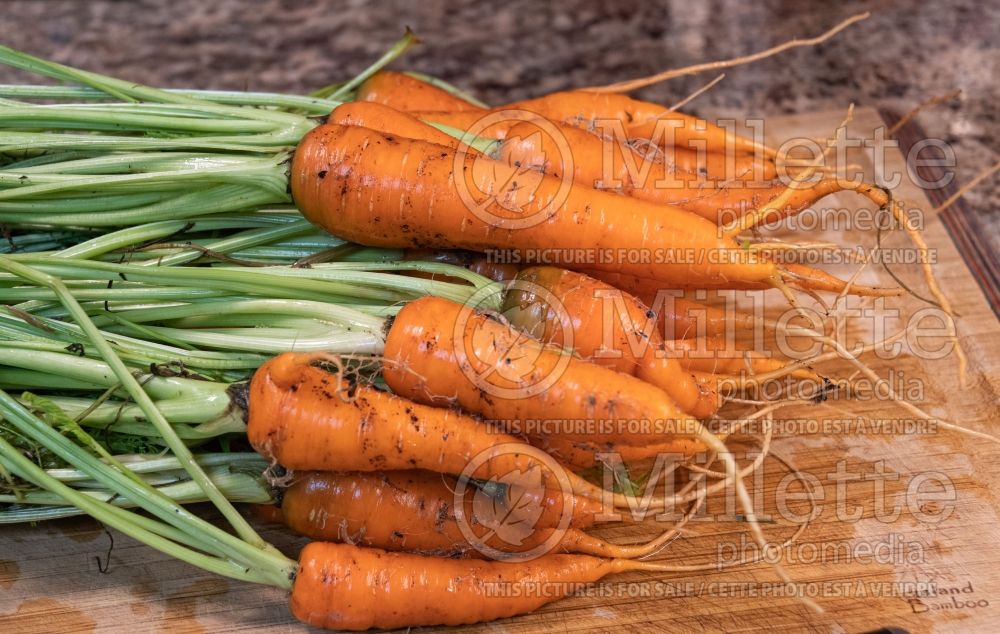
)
(716, 355)
(306, 417)
(640, 119)
(390, 122)
(599, 158)
(269, 513)
(345, 587)
(616, 115)
(608, 327)
(671, 177)
(679, 318)
(407, 93)
(441, 353)
(309, 487)
(399, 193)
(416, 511)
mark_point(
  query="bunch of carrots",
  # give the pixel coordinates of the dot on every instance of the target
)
(380, 354)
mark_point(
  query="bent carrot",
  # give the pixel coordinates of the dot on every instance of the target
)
(304, 501)
(350, 588)
(407, 93)
(307, 418)
(583, 454)
(441, 353)
(416, 511)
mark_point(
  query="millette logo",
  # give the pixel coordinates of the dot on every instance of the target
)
(504, 362)
(506, 516)
(504, 191)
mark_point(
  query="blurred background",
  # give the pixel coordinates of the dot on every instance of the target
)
(908, 51)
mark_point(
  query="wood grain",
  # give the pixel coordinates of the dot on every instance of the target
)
(50, 578)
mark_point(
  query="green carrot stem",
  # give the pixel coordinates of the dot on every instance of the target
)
(151, 464)
(238, 487)
(140, 493)
(141, 398)
(104, 375)
(241, 240)
(275, 570)
(149, 524)
(339, 91)
(311, 105)
(29, 379)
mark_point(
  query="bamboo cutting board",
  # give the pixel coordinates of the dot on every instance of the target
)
(933, 566)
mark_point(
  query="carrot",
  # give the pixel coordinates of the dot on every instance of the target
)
(599, 158)
(416, 511)
(441, 353)
(392, 192)
(583, 454)
(679, 318)
(659, 367)
(311, 494)
(269, 513)
(407, 93)
(815, 279)
(640, 119)
(306, 418)
(350, 588)
(798, 275)
(609, 328)
(495, 127)
(682, 318)
(610, 114)
(726, 204)
(717, 356)
(389, 121)
(670, 176)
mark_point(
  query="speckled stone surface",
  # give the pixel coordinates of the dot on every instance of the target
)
(906, 52)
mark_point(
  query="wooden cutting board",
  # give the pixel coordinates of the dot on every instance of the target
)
(867, 572)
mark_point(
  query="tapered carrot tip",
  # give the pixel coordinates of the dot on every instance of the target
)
(810, 278)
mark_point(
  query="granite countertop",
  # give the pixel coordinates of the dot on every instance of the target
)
(907, 51)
